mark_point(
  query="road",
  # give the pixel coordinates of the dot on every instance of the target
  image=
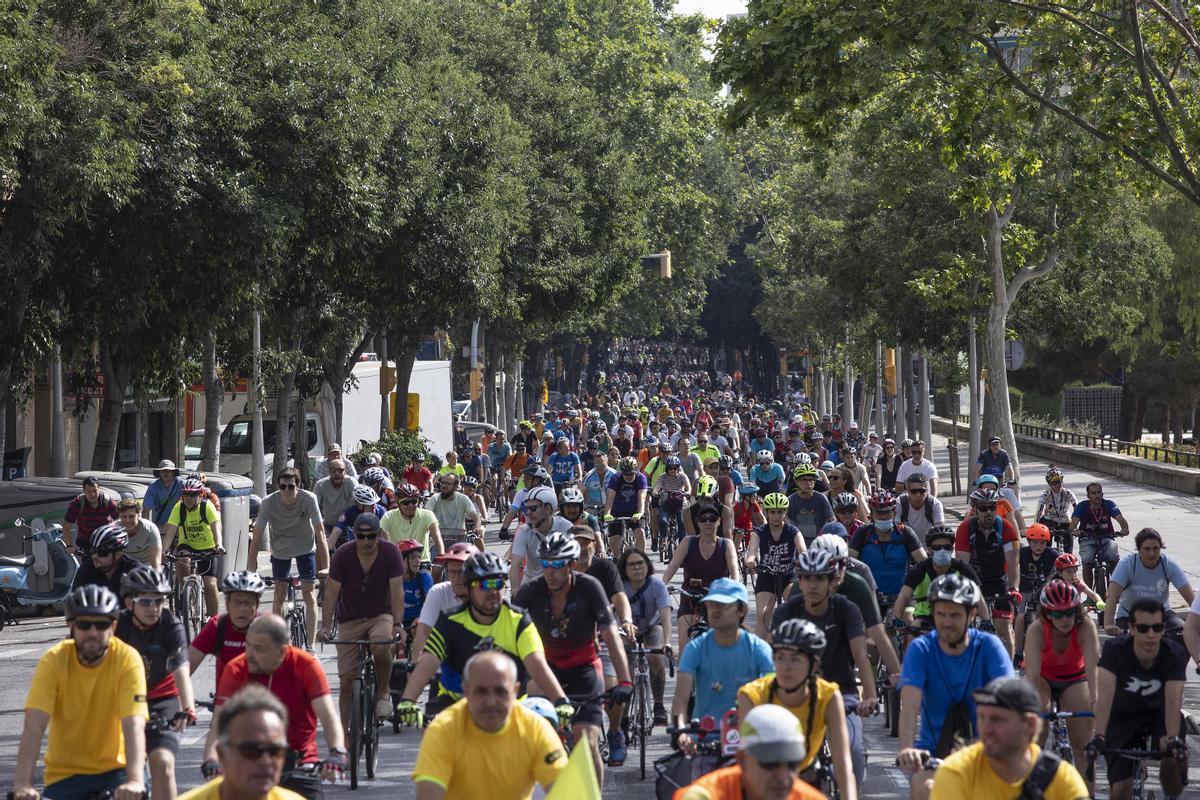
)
(1173, 514)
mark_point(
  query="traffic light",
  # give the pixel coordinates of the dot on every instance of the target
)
(889, 370)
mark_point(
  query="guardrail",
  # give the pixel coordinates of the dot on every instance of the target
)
(1164, 455)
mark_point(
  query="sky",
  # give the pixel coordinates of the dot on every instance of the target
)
(711, 8)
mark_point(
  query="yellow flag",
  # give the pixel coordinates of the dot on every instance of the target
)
(578, 780)
(545, 392)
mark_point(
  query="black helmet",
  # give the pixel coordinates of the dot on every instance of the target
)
(939, 532)
(801, 635)
(956, 589)
(109, 539)
(482, 566)
(244, 581)
(92, 601)
(144, 580)
(558, 545)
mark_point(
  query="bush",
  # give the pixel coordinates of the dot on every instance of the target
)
(398, 449)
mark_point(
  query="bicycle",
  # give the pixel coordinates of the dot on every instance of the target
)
(1099, 567)
(398, 681)
(294, 612)
(824, 779)
(639, 716)
(741, 540)
(627, 529)
(890, 695)
(1141, 774)
(187, 595)
(668, 538)
(1056, 730)
(364, 725)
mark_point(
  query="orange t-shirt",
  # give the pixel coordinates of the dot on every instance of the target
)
(726, 784)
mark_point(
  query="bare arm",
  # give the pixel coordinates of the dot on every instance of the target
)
(1187, 593)
(255, 542)
(616, 650)
(420, 635)
(427, 664)
(195, 658)
(1105, 684)
(331, 722)
(183, 682)
(1115, 591)
(752, 552)
(676, 561)
(133, 728)
(731, 563)
(883, 644)
(36, 722)
(332, 590)
(858, 650)
(1012, 559)
(910, 704)
(322, 547)
(216, 532)
(898, 609)
(428, 790)
(1172, 702)
(168, 536)
(1191, 636)
(154, 557)
(396, 589)
(1090, 638)
(436, 545)
(1033, 649)
(1120, 518)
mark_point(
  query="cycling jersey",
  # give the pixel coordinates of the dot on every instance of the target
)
(626, 503)
(212, 791)
(457, 636)
(1093, 522)
(1036, 571)
(345, 520)
(968, 773)
(570, 637)
(420, 478)
(726, 784)
(1057, 506)
(842, 623)
(194, 527)
(888, 560)
(993, 464)
(89, 574)
(499, 452)
(923, 574)
(762, 691)
(515, 464)
(987, 551)
(743, 514)
(163, 648)
(219, 637)
(1066, 666)
(595, 486)
(769, 479)
(416, 589)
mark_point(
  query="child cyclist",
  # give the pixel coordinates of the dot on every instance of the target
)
(747, 511)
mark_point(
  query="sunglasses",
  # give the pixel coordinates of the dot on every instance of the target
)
(555, 563)
(937, 547)
(707, 519)
(1060, 614)
(917, 491)
(105, 624)
(408, 502)
(1143, 627)
(991, 507)
(252, 751)
(1056, 483)
(529, 508)
(150, 602)
(490, 584)
(366, 535)
(286, 487)
(336, 471)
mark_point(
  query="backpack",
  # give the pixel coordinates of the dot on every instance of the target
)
(958, 729)
(905, 508)
(222, 626)
(1040, 777)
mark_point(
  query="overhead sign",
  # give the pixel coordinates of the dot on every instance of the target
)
(1014, 354)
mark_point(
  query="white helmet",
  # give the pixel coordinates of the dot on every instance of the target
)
(364, 495)
(572, 495)
(764, 455)
(543, 494)
(833, 544)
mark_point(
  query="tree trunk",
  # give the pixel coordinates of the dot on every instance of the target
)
(300, 440)
(510, 391)
(279, 444)
(925, 424)
(1177, 430)
(12, 317)
(116, 378)
(214, 396)
(910, 397)
(406, 356)
(976, 424)
(337, 372)
(901, 397)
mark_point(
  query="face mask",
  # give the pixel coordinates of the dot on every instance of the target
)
(942, 558)
(883, 524)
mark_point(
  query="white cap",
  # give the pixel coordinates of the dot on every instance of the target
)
(772, 734)
(853, 426)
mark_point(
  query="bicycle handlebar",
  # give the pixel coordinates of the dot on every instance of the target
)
(1050, 715)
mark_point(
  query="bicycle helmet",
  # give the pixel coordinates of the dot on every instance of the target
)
(558, 545)
(543, 494)
(193, 485)
(800, 635)
(776, 500)
(833, 544)
(408, 545)
(1066, 561)
(651, 441)
(882, 501)
(484, 565)
(470, 482)
(764, 456)
(987, 480)
(845, 501)
(747, 489)
(805, 471)
(814, 562)
(706, 487)
(144, 580)
(92, 601)
(906, 444)
(1054, 474)
(364, 495)
(939, 532)
(803, 458)
(1037, 532)
(109, 538)
(673, 461)
(537, 471)
(982, 496)
(1058, 595)
(628, 464)
(955, 589)
(725, 462)
(459, 551)
(593, 444)
(572, 495)
(406, 491)
(243, 581)
(543, 708)
(374, 475)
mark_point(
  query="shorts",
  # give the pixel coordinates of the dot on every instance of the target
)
(303, 779)
(165, 708)
(997, 593)
(606, 664)
(772, 582)
(1057, 687)
(1088, 546)
(80, 787)
(306, 567)
(581, 683)
(652, 638)
(1128, 732)
(364, 628)
(616, 527)
(213, 565)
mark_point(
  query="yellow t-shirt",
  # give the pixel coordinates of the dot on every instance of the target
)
(212, 791)
(398, 528)
(196, 532)
(758, 692)
(470, 763)
(457, 469)
(86, 706)
(967, 773)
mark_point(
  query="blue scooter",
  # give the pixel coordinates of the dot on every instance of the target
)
(41, 575)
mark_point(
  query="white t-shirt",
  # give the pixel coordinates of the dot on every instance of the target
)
(525, 545)
(440, 598)
(926, 468)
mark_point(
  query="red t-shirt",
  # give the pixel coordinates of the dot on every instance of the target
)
(962, 537)
(87, 518)
(234, 643)
(420, 478)
(296, 682)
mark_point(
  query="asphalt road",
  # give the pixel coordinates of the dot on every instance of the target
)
(1173, 514)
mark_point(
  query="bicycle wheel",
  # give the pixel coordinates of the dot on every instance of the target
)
(893, 711)
(643, 719)
(193, 606)
(355, 730)
(371, 726)
(298, 628)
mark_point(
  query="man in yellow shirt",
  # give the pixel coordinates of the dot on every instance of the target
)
(997, 767)
(487, 745)
(93, 688)
(251, 725)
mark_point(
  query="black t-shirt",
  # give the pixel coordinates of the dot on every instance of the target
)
(842, 622)
(569, 639)
(1139, 690)
(88, 575)
(606, 572)
(163, 649)
(924, 569)
(1036, 571)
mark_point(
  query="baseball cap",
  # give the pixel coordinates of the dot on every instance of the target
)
(1012, 693)
(772, 734)
(583, 532)
(726, 590)
(366, 521)
(994, 440)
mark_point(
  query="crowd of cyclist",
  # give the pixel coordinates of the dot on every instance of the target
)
(862, 585)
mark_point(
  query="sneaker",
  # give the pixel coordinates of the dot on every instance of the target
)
(383, 708)
(616, 748)
(660, 714)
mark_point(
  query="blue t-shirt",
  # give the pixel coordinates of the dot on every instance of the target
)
(498, 452)
(945, 680)
(161, 500)
(625, 503)
(762, 444)
(562, 467)
(810, 515)
(415, 592)
(993, 464)
(1096, 524)
(720, 671)
(473, 466)
(595, 486)
(770, 479)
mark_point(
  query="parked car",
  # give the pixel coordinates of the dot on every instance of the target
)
(469, 431)
(191, 450)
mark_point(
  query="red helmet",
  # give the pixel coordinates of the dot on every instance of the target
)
(458, 552)
(1059, 595)
(408, 545)
(882, 501)
(1037, 532)
(408, 492)
(1066, 561)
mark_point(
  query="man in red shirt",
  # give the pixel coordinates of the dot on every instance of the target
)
(91, 510)
(297, 679)
(224, 636)
(418, 474)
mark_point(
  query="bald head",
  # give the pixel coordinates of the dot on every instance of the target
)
(272, 626)
(490, 688)
(489, 665)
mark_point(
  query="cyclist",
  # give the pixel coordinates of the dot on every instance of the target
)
(1140, 697)
(200, 532)
(918, 510)
(626, 497)
(1064, 648)
(846, 644)
(161, 495)
(366, 588)
(571, 508)
(417, 582)
(102, 750)
(498, 452)
(797, 685)
(941, 670)
(717, 663)
(705, 558)
(1005, 762)
(846, 509)
(808, 509)
(448, 594)
(995, 460)
(595, 482)
(334, 492)
(365, 501)
(1066, 567)
(409, 521)
(461, 632)
(766, 473)
(296, 678)
(454, 510)
(376, 477)
(470, 488)
(748, 510)
(886, 546)
(570, 610)
(106, 563)
(224, 636)
(1148, 573)
(775, 544)
(650, 609)
(87, 513)
(535, 475)
(1056, 506)
(862, 481)
(912, 604)
(416, 474)
(541, 521)
(886, 467)
(296, 533)
(669, 495)
(155, 633)
(706, 497)
(564, 466)
(1092, 521)
(992, 546)
(1036, 565)
(145, 541)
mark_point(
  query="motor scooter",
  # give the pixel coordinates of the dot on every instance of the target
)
(35, 568)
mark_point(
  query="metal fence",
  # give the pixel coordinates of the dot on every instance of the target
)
(1110, 444)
